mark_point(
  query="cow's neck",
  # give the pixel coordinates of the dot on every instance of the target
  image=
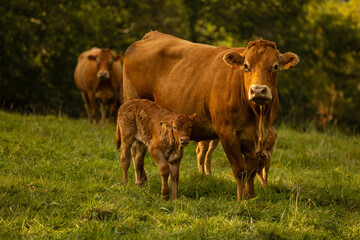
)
(262, 117)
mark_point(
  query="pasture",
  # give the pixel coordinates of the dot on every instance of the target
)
(61, 178)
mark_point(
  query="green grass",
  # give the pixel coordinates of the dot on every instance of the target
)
(61, 178)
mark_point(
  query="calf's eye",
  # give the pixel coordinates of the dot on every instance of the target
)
(246, 68)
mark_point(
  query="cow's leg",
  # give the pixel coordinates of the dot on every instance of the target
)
(103, 109)
(175, 179)
(87, 106)
(252, 166)
(164, 169)
(233, 152)
(201, 150)
(125, 157)
(112, 106)
(94, 105)
(213, 144)
(138, 151)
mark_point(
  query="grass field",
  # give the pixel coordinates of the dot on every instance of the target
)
(61, 178)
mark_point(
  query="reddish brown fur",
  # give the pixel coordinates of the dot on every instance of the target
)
(98, 75)
(205, 149)
(143, 124)
(264, 157)
(203, 153)
(218, 84)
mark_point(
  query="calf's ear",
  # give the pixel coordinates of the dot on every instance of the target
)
(117, 58)
(163, 127)
(288, 60)
(192, 116)
(234, 59)
(91, 57)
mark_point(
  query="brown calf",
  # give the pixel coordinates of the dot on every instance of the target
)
(264, 157)
(142, 124)
(205, 149)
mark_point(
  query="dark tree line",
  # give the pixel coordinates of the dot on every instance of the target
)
(41, 40)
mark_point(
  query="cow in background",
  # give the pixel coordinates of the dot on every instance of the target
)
(98, 75)
(232, 90)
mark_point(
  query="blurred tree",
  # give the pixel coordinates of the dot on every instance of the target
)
(41, 40)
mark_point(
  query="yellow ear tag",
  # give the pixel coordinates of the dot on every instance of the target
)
(163, 128)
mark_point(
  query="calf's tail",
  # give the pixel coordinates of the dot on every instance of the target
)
(118, 136)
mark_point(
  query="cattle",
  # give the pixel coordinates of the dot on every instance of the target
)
(205, 149)
(264, 157)
(98, 75)
(232, 90)
(142, 124)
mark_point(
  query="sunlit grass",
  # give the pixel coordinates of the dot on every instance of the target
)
(61, 178)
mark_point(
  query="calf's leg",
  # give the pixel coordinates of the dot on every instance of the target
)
(164, 169)
(125, 156)
(138, 151)
(175, 179)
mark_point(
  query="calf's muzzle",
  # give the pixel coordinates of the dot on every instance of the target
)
(184, 141)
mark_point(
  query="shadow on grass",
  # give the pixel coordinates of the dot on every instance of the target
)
(195, 186)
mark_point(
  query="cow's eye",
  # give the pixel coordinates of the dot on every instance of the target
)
(175, 128)
(276, 67)
(246, 68)
(190, 127)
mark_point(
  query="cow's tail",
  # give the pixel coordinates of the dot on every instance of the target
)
(118, 136)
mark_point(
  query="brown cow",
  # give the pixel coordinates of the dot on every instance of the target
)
(144, 124)
(205, 149)
(232, 90)
(98, 75)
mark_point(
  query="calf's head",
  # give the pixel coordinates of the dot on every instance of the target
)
(179, 128)
(104, 60)
(260, 63)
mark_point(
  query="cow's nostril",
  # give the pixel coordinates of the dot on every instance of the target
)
(252, 92)
(264, 91)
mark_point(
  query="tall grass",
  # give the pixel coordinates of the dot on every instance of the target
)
(61, 178)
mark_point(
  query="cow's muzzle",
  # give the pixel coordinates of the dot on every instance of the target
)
(260, 94)
(103, 75)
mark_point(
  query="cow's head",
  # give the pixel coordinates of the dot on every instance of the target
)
(179, 128)
(260, 63)
(104, 60)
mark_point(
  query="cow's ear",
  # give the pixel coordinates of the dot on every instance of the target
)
(117, 58)
(192, 116)
(91, 57)
(288, 60)
(234, 59)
